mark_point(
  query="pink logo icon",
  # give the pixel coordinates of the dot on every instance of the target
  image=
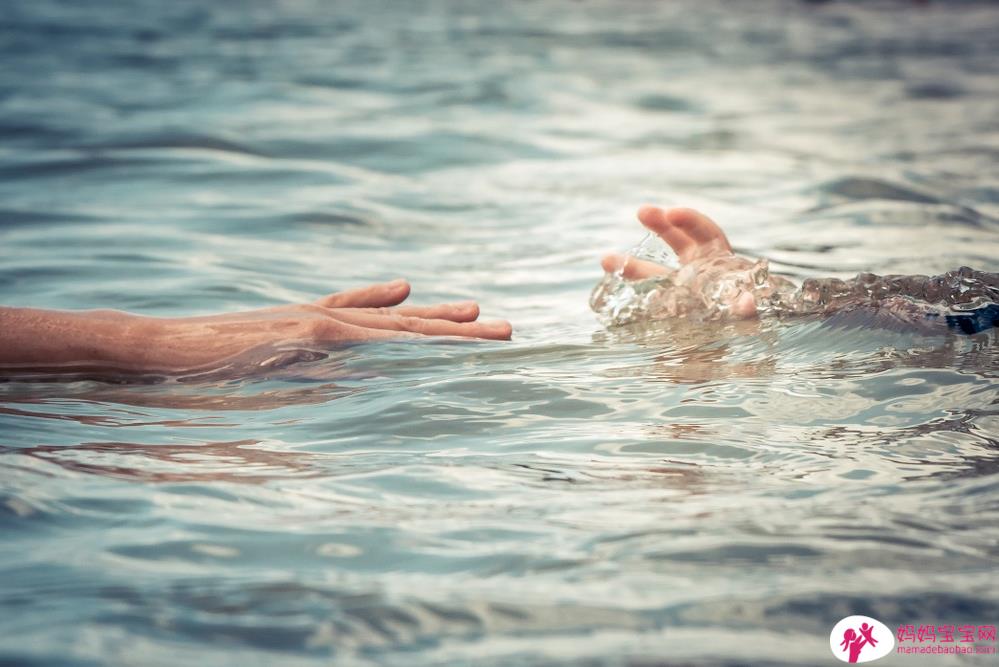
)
(854, 641)
(861, 639)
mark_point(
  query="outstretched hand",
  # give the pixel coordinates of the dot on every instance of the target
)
(711, 276)
(112, 340)
(374, 313)
(370, 313)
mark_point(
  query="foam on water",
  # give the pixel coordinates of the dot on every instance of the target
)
(945, 299)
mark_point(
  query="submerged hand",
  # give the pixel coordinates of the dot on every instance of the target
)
(40, 339)
(711, 276)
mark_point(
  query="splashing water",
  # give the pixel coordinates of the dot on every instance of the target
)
(618, 301)
(964, 298)
(706, 289)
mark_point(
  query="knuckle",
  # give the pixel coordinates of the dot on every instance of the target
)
(317, 328)
(331, 300)
(310, 308)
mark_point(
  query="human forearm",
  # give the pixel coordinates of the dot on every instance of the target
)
(117, 341)
(31, 337)
(107, 339)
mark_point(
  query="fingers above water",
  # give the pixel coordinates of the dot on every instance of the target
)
(462, 311)
(493, 330)
(380, 295)
(371, 313)
(657, 221)
(691, 234)
(632, 268)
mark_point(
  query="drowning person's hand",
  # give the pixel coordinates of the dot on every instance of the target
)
(112, 340)
(712, 280)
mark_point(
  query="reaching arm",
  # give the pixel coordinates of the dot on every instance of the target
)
(104, 339)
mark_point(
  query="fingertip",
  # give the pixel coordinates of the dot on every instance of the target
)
(400, 287)
(462, 311)
(648, 213)
(472, 310)
(504, 330)
(657, 220)
(494, 330)
(744, 306)
(612, 263)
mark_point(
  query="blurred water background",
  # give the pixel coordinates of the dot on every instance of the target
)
(675, 494)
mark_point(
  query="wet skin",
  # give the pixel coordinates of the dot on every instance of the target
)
(118, 341)
(706, 259)
(711, 276)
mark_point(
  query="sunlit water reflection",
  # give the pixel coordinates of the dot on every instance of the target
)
(693, 492)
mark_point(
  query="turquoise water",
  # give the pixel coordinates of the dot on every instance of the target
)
(664, 494)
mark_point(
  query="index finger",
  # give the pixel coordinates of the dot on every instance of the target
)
(373, 296)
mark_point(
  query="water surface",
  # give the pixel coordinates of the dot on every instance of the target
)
(709, 494)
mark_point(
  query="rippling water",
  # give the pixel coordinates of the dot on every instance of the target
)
(692, 493)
